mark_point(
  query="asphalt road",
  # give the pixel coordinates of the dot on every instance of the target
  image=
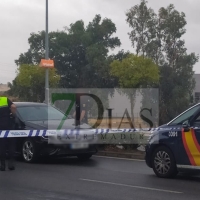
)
(100, 178)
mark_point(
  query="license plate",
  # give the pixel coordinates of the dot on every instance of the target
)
(79, 146)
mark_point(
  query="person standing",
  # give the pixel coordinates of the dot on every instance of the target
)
(7, 109)
(82, 104)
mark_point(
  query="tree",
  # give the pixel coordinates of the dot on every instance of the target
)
(29, 82)
(134, 72)
(80, 53)
(142, 20)
(158, 36)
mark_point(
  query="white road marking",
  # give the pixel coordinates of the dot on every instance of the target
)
(132, 186)
(120, 158)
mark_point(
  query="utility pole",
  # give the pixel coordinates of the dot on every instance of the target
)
(47, 58)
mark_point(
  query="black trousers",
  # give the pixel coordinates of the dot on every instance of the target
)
(7, 144)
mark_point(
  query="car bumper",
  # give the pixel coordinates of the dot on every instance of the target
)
(62, 150)
(148, 155)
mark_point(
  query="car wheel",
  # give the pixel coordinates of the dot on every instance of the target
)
(84, 157)
(163, 162)
(29, 151)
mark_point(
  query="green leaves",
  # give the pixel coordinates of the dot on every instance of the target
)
(80, 52)
(30, 81)
(159, 37)
(135, 71)
(142, 20)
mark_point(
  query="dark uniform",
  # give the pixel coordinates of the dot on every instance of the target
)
(84, 107)
(82, 102)
(6, 123)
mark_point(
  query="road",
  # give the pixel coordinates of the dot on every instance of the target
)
(99, 178)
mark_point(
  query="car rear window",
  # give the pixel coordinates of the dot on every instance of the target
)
(36, 113)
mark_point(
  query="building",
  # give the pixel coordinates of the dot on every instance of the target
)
(4, 87)
(196, 93)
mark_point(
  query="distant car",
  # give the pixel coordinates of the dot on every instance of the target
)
(40, 116)
(175, 147)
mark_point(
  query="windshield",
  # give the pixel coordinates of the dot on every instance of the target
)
(184, 116)
(37, 113)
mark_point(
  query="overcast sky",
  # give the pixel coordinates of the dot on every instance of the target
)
(21, 17)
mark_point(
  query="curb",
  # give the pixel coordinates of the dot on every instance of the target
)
(137, 155)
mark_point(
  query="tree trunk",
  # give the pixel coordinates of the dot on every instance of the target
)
(132, 107)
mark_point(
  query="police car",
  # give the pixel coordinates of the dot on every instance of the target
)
(175, 146)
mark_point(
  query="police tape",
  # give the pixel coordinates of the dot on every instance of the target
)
(46, 133)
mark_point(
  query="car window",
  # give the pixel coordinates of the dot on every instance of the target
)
(196, 121)
(36, 113)
(184, 116)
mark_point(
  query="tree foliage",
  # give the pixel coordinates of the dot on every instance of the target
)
(159, 37)
(80, 52)
(135, 72)
(29, 83)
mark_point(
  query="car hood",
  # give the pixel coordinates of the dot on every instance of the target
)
(53, 124)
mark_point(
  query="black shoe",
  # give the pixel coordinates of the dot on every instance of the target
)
(11, 168)
(3, 165)
(11, 165)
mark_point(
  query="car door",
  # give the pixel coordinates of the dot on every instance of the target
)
(186, 151)
(191, 141)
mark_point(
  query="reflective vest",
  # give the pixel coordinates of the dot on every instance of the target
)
(3, 102)
(4, 113)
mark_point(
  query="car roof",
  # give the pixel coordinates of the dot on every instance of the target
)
(21, 104)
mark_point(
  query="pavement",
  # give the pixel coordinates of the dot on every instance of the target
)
(97, 179)
(139, 153)
(134, 155)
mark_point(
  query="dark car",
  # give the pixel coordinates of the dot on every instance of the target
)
(40, 116)
(175, 146)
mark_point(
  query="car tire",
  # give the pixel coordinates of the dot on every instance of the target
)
(84, 157)
(163, 163)
(29, 151)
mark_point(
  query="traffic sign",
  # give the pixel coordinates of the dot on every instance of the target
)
(47, 63)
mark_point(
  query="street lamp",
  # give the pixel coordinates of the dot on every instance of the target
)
(46, 63)
(46, 58)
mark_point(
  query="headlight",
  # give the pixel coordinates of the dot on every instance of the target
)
(153, 133)
(149, 137)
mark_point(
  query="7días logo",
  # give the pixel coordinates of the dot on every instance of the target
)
(74, 99)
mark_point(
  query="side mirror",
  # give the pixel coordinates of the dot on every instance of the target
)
(186, 126)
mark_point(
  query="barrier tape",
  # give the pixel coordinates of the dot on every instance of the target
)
(35, 133)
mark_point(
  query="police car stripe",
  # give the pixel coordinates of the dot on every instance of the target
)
(195, 140)
(192, 162)
(193, 151)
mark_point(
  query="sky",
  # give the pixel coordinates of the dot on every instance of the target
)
(19, 18)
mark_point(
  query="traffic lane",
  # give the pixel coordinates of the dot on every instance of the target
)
(34, 183)
(132, 172)
(96, 179)
(71, 169)
(143, 175)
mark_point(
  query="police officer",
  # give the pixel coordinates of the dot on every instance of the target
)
(7, 108)
(82, 103)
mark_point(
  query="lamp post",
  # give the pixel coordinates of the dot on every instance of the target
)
(46, 57)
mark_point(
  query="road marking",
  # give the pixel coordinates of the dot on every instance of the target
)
(120, 158)
(132, 186)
